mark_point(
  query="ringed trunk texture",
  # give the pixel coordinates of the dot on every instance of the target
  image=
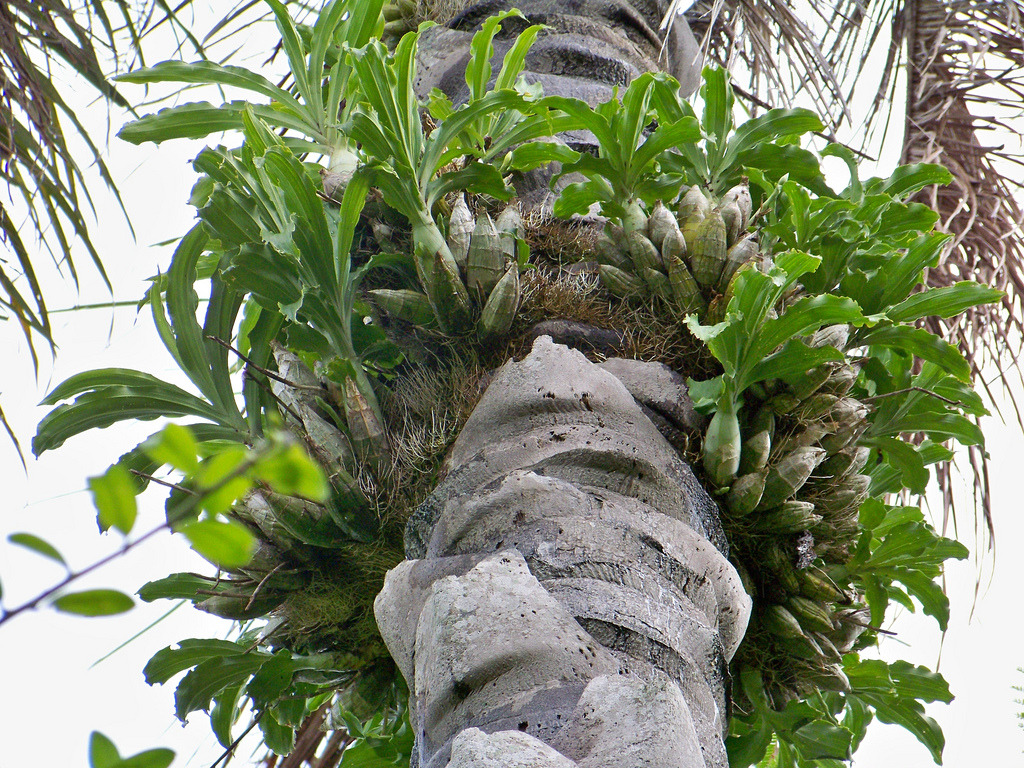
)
(569, 602)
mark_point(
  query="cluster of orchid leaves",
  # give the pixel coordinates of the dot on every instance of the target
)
(275, 256)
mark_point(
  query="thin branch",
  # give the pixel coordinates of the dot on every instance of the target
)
(263, 385)
(215, 593)
(164, 483)
(234, 744)
(872, 398)
(262, 583)
(269, 374)
(242, 468)
(75, 575)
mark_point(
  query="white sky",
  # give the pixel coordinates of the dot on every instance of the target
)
(52, 699)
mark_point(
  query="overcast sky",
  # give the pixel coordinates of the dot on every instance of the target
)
(52, 698)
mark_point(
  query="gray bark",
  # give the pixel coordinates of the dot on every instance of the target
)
(589, 48)
(570, 602)
(567, 601)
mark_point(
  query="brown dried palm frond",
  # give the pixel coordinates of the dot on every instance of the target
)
(51, 52)
(965, 84)
(781, 52)
(35, 160)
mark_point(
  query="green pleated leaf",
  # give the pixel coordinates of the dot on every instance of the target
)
(515, 59)
(539, 153)
(908, 179)
(747, 745)
(771, 162)
(478, 178)
(169, 661)
(208, 72)
(481, 50)
(307, 84)
(905, 458)
(773, 124)
(923, 344)
(224, 714)
(200, 119)
(109, 395)
(909, 714)
(822, 739)
(212, 676)
(916, 682)
(903, 272)
(278, 738)
(272, 680)
(931, 596)
(792, 359)
(717, 117)
(670, 136)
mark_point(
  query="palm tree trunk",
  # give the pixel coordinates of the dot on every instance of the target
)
(589, 46)
(570, 602)
(567, 601)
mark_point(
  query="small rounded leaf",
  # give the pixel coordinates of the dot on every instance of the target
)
(224, 543)
(293, 473)
(113, 493)
(94, 602)
(174, 445)
(102, 752)
(151, 758)
(37, 545)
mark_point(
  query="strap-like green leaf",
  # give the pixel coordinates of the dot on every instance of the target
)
(295, 52)
(211, 677)
(198, 120)
(943, 302)
(515, 58)
(208, 72)
(772, 125)
(923, 344)
(908, 179)
(717, 120)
